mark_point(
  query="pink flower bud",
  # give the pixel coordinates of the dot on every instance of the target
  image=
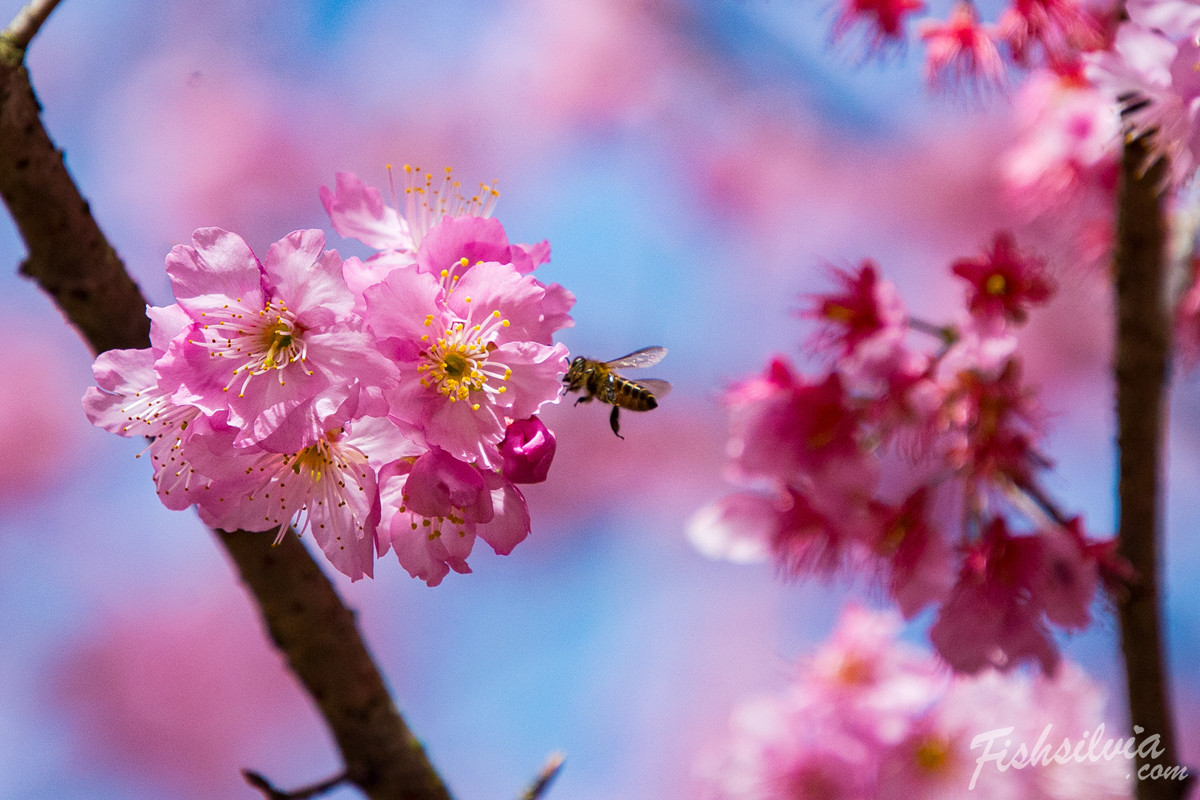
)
(440, 485)
(527, 450)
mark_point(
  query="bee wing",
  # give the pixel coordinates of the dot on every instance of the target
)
(646, 357)
(654, 386)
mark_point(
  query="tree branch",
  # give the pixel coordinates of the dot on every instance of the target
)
(317, 634)
(70, 258)
(1142, 353)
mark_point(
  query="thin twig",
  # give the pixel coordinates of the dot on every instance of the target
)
(73, 262)
(553, 766)
(1142, 353)
(271, 793)
(28, 22)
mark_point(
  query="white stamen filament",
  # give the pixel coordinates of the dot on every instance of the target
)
(269, 340)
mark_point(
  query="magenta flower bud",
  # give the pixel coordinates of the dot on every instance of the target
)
(527, 450)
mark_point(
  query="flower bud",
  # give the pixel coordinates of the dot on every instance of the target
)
(527, 450)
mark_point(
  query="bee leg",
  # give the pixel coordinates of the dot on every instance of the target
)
(587, 398)
(615, 422)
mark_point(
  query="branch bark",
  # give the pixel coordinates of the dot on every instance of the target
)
(1142, 363)
(72, 260)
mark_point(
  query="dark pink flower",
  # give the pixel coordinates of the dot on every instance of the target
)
(527, 451)
(784, 427)
(991, 618)
(1070, 574)
(1060, 29)
(994, 437)
(1004, 282)
(961, 50)
(868, 308)
(920, 560)
(440, 485)
(883, 19)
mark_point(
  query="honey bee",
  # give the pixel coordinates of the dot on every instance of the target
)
(599, 380)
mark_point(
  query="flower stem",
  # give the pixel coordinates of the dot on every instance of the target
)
(1142, 353)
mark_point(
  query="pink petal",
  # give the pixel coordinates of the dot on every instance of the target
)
(358, 211)
(510, 525)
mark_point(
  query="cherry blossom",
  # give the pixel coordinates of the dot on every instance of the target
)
(1153, 74)
(1061, 29)
(1005, 282)
(328, 488)
(869, 716)
(868, 308)
(357, 401)
(128, 401)
(273, 345)
(992, 617)
(467, 356)
(961, 49)
(357, 210)
(904, 466)
(434, 507)
(882, 19)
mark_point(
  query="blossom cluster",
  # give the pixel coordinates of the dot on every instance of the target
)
(871, 717)
(1153, 71)
(915, 466)
(1051, 33)
(386, 403)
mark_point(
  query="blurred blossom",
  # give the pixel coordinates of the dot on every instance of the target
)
(1056, 30)
(184, 695)
(215, 144)
(1061, 172)
(37, 415)
(872, 717)
(882, 20)
(961, 50)
(1155, 75)
(821, 497)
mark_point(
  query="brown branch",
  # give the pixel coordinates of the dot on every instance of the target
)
(317, 634)
(1142, 353)
(70, 258)
(271, 793)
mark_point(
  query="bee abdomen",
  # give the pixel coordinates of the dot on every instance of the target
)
(635, 398)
